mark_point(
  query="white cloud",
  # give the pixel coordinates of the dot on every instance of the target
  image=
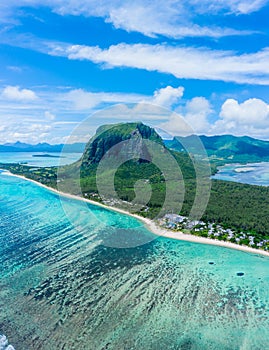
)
(33, 121)
(16, 94)
(252, 112)
(176, 125)
(48, 115)
(82, 99)
(146, 107)
(182, 62)
(172, 18)
(142, 111)
(175, 8)
(198, 110)
(26, 117)
(24, 131)
(246, 7)
(189, 119)
(66, 122)
(162, 18)
(250, 117)
(43, 128)
(27, 120)
(168, 96)
(230, 6)
(15, 69)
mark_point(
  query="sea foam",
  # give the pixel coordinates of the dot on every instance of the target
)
(4, 343)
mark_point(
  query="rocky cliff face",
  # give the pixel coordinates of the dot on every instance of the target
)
(120, 140)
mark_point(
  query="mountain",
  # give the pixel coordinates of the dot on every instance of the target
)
(123, 140)
(131, 159)
(42, 147)
(17, 144)
(225, 148)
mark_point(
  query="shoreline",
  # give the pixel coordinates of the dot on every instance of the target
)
(150, 224)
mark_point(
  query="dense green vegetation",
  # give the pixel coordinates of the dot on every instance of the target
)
(237, 206)
(46, 176)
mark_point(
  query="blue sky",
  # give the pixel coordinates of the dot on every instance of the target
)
(62, 62)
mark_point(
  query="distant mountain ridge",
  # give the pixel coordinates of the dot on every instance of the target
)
(222, 148)
(42, 147)
(226, 148)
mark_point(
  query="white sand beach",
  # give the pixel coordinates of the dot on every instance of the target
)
(152, 226)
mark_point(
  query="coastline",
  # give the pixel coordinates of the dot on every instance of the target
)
(150, 224)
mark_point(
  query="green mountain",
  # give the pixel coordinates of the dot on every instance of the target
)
(122, 140)
(141, 161)
(225, 148)
(132, 146)
(125, 140)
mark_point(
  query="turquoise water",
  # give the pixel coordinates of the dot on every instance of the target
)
(27, 157)
(251, 173)
(63, 287)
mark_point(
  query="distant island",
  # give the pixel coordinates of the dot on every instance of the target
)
(46, 155)
(236, 213)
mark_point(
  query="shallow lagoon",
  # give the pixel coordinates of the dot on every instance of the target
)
(63, 287)
(251, 173)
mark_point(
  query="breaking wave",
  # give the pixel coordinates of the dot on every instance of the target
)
(4, 343)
